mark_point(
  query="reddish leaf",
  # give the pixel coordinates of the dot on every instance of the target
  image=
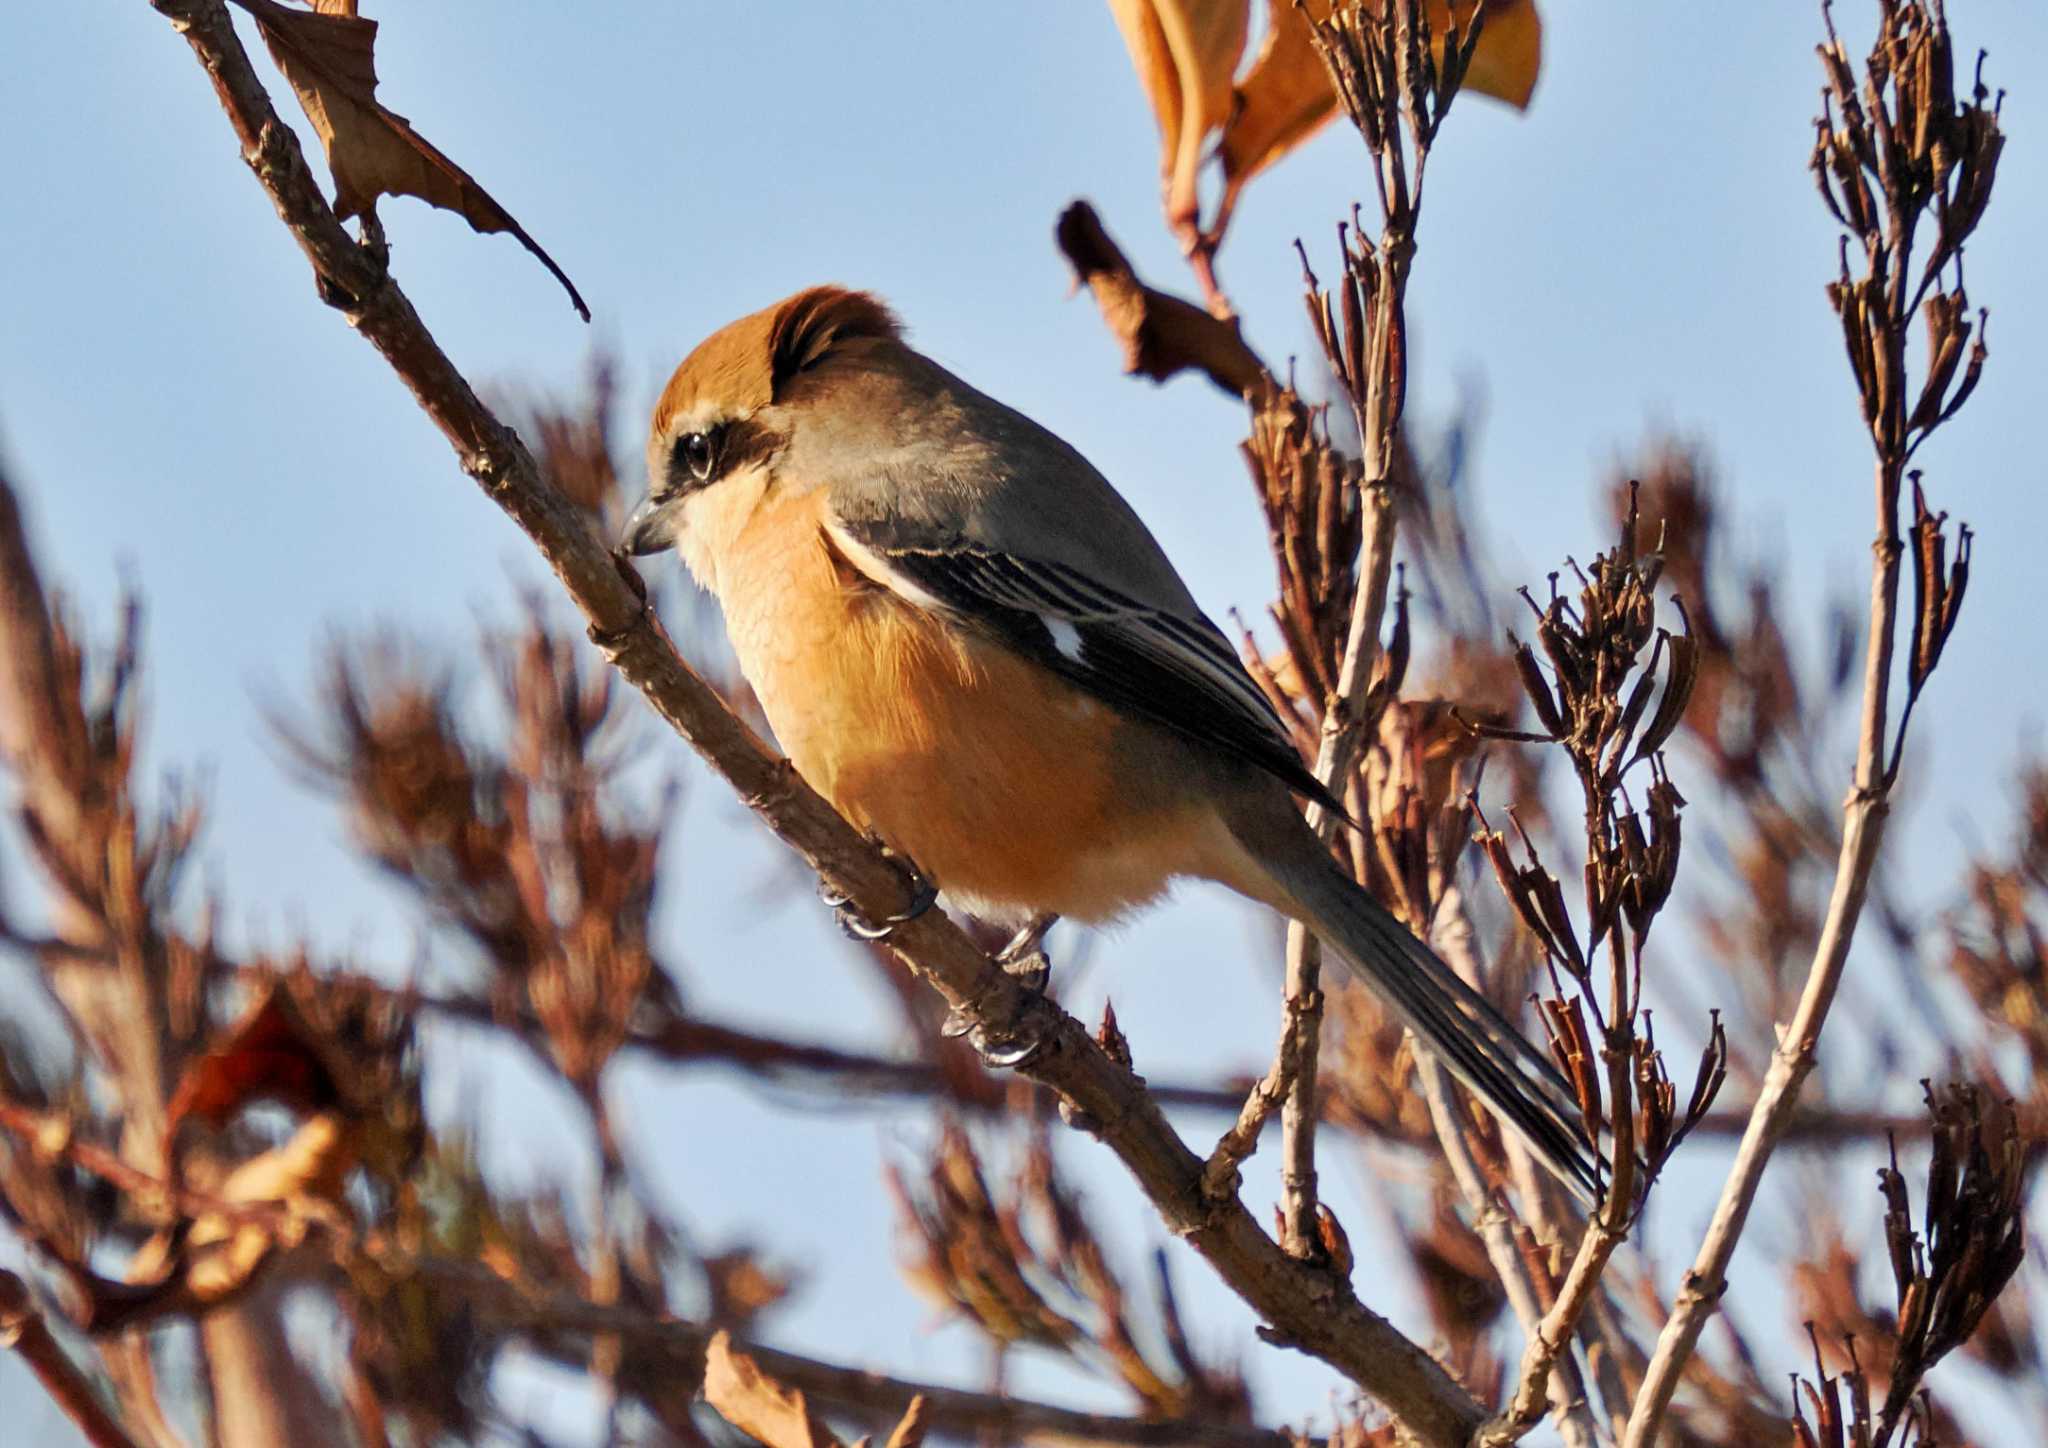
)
(266, 1055)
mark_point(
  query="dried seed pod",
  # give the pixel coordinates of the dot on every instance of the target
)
(1537, 688)
(1571, 1046)
(1682, 673)
(1638, 700)
(1900, 1240)
(1656, 1098)
(1357, 281)
(1546, 896)
(1971, 373)
(1707, 1082)
(1947, 333)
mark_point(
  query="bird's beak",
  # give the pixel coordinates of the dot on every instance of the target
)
(653, 524)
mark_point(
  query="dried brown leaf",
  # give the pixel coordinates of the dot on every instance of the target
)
(1286, 97)
(752, 1401)
(1186, 54)
(210, 1260)
(329, 57)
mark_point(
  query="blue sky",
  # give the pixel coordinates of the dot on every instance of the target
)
(1643, 250)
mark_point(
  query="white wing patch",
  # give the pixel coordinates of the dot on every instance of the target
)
(1181, 671)
(1065, 637)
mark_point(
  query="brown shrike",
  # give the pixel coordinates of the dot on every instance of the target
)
(968, 642)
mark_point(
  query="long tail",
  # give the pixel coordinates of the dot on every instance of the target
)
(1472, 1039)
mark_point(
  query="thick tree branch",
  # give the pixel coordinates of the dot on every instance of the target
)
(1307, 1308)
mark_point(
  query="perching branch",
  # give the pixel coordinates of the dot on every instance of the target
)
(1306, 1307)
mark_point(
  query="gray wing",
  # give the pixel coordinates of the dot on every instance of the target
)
(963, 505)
(1176, 671)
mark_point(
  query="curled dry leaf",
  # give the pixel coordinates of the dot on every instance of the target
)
(328, 54)
(752, 1401)
(1161, 334)
(1187, 53)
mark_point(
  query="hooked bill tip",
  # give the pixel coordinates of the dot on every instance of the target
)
(651, 529)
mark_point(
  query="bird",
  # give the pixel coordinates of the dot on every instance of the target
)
(967, 641)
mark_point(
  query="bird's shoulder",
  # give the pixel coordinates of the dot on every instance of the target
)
(913, 457)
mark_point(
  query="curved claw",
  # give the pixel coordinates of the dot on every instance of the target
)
(1024, 958)
(997, 1055)
(1012, 1047)
(1007, 1055)
(923, 895)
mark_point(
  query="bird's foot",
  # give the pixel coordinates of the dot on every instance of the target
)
(1024, 958)
(1007, 1052)
(922, 895)
(1025, 961)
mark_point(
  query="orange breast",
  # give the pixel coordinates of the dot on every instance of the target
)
(997, 778)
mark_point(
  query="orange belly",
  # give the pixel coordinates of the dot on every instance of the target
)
(1000, 781)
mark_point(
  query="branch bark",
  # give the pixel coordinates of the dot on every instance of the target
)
(1306, 1307)
(22, 1328)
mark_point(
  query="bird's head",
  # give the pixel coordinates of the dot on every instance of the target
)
(728, 411)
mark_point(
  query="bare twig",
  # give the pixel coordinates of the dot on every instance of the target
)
(22, 1328)
(1903, 145)
(1490, 1217)
(1496, 1230)
(1549, 1339)
(1297, 1043)
(1307, 1308)
(1376, 381)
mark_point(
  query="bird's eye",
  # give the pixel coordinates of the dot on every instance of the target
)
(698, 451)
